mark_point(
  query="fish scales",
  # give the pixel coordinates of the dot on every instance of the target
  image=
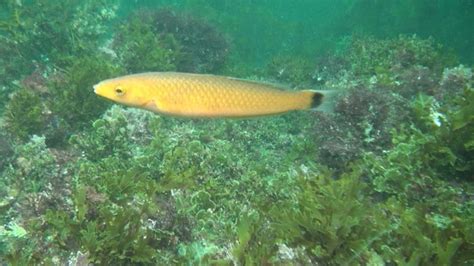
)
(197, 95)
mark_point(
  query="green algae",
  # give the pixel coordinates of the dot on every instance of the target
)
(24, 115)
(384, 179)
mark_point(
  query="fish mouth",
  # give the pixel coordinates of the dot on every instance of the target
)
(96, 87)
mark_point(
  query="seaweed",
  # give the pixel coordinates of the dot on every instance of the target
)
(72, 101)
(370, 56)
(204, 48)
(50, 33)
(164, 40)
(14, 243)
(25, 115)
(141, 49)
(362, 120)
(386, 178)
(334, 220)
(290, 70)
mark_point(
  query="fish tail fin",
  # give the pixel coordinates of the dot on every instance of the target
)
(321, 100)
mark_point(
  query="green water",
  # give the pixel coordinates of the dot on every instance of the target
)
(262, 28)
(382, 177)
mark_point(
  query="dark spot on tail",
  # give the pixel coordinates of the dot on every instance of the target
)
(317, 99)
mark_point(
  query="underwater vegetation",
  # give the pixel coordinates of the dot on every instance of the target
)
(203, 48)
(54, 106)
(140, 48)
(384, 179)
(34, 36)
(167, 40)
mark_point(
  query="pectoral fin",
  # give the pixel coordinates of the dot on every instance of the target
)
(152, 106)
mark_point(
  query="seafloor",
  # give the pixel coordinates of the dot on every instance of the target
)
(385, 178)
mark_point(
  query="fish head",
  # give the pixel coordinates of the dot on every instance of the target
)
(125, 90)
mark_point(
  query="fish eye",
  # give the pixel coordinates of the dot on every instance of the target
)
(119, 91)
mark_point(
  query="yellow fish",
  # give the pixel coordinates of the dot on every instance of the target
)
(198, 95)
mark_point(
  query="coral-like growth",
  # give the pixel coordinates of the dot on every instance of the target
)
(362, 120)
(47, 34)
(72, 101)
(410, 175)
(50, 33)
(166, 40)
(454, 81)
(305, 72)
(12, 238)
(330, 217)
(203, 48)
(13, 66)
(371, 56)
(56, 105)
(290, 70)
(107, 137)
(406, 65)
(25, 115)
(119, 220)
(141, 49)
(384, 179)
(6, 149)
(411, 81)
